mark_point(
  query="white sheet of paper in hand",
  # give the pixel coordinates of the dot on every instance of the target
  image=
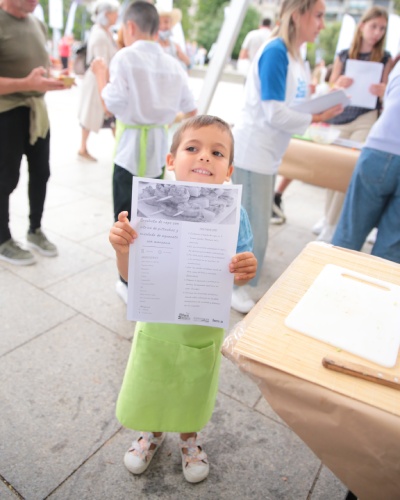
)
(322, 103)
(179, 264)
(364, 74)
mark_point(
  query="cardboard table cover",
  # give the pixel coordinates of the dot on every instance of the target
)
(324, 165)
(352, 425)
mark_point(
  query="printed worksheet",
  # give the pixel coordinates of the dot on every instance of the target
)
(364, 74)
(179, 264)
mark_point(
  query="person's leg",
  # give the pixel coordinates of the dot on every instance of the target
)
(122, 191)
(387, 244)
(257, 197)
(14, 129)
(14, 135)
(195, 464)
(333, 209)
(278, 216)
(83, 152)
(365, 200)
(38, 156)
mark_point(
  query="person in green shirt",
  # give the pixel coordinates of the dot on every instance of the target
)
(24, 123)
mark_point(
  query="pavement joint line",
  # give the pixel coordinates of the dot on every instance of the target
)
(11, 487)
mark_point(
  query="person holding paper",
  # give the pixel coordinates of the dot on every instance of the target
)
(355, 122)
(171, 379)
(146, 91)
(373, 197)
(277, 79)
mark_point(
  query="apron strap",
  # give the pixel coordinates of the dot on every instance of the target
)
(144, 130)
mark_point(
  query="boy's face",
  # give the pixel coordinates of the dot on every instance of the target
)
(202, 156)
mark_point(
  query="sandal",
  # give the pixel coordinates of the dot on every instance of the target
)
(194, 461)
(139, 456)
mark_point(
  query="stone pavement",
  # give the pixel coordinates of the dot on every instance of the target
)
(64, 343)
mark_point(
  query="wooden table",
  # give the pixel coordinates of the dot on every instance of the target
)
(324, 165)
(352, 425)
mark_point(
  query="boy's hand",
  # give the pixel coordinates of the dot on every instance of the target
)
(122, 234)
(244, 266)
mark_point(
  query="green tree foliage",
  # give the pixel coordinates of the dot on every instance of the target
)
(250, 22)
(209, 19)
(187, 22)
(325, 46)
(82, 17)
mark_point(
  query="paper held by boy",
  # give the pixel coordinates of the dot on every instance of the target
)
(179, 264)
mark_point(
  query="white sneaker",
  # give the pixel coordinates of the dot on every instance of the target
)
(318, 226)
(140, 454)
(326, 234)
(241, 300)
(371, 238)
(122, 290)
(195, 465)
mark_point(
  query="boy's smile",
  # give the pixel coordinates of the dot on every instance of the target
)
(203, 156)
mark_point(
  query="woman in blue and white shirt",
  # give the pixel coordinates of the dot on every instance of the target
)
(278, 78)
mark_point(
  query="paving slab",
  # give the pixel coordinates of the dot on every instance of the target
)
(92, 292)
(58, 397)
(26, 312)
(327, 481)
(251, 457)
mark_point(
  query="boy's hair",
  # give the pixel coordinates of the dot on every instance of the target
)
(285, 27)
(378, 49)
(201, 121)
(144, 15)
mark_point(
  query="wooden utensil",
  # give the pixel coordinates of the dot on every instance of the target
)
(365, 372)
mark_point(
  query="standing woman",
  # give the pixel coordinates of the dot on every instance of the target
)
(355, 123)
(101, 44)
(277, 79)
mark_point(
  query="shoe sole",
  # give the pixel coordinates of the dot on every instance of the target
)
(190, 479)
(277, 222)
(18, 262)
(46, 253)
(278, 217)
(145, 466)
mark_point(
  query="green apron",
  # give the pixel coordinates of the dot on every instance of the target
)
(171, 379)
(144, 131)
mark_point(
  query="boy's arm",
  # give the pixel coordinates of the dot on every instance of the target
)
(244, 267)
(121, 236)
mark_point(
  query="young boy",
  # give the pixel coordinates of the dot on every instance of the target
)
(171, 379)
(146, 91)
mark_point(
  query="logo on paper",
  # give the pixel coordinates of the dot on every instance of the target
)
(184, 316)
(202, 320)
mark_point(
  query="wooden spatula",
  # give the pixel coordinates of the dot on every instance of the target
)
(365, 372)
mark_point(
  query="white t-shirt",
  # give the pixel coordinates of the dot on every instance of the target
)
(262, 132)
(147, 87)
(254, 39)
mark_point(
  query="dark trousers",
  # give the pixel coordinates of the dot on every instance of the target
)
(14, 143)
(122, 190)
(122, 193)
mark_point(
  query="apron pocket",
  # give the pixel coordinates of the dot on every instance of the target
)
(155, 359)
(194, 364)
